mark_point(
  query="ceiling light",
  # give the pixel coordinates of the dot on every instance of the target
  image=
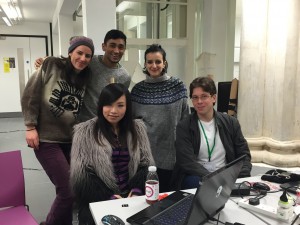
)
(124, 6)
(18, 12)
(12, 11)
(8, 23)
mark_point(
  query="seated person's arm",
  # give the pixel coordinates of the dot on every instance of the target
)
(85, 183)
(88, 187)
(137, 182)
(241, 148)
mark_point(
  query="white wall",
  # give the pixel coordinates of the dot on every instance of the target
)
(11, 87)
(28, 28)
(99, 16)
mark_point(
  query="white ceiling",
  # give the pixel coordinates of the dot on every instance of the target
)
(43, 10)
(36, 10)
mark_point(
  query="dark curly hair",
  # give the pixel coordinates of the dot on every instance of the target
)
(156, 48)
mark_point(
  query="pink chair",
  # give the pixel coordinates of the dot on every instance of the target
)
(13, 209)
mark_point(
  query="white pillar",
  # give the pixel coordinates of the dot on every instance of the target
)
(269, 87)
(99, 16)
(217, 39)
(191, 45)
(65, 32)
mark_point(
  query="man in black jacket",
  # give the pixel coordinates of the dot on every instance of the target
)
(207, 140)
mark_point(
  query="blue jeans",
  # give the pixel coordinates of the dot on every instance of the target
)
(55, 159)
(190, 182)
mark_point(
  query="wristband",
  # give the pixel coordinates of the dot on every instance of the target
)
(30, 129)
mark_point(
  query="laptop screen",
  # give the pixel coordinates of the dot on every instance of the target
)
(214, 192)
(209, 199)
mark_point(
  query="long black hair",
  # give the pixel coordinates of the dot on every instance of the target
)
(69, 73)
(108, 96)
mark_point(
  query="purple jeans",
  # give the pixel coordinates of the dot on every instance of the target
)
(55, 159)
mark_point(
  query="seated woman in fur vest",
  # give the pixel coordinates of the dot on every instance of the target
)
(110, 153)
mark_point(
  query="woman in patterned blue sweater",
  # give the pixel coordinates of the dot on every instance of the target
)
(161, 102)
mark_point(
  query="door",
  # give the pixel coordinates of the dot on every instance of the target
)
(17, 57)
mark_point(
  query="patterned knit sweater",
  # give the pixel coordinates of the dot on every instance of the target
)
(51, 104)
(161, 103)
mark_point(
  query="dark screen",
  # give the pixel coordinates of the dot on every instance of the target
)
(214, 193)
(223, 96)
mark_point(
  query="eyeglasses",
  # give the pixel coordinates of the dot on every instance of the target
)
(202, 97)
(156, 62)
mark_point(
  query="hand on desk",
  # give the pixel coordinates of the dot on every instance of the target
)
(129, 195)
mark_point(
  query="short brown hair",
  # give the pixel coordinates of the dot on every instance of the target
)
(206, 83)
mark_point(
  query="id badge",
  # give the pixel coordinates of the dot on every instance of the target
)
(210, 166)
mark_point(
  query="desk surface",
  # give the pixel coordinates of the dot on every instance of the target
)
(127, 207)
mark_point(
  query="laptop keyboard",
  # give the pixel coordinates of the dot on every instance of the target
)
(176, 214)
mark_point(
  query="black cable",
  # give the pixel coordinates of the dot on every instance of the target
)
(275, 191)
(226, 223)
(261, 194)
(239, 187)
(251, 188)
(32, 169)
(216, 220)
(295, 219)
(167, 5)
(11, 131)
(294, 199)
(255, 201)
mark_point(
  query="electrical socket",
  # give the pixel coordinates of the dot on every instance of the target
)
(261, 208)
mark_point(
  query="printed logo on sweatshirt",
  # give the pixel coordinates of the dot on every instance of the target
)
(65, 98)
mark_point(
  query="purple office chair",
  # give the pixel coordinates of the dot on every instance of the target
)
(13, 209)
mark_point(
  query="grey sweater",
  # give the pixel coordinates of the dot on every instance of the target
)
(101, 76)
(161, 103)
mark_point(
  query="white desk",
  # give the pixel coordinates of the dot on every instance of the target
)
(231, 213)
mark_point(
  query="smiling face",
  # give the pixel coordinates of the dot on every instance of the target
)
(115, 112)
(81, 57)
(154, 64)
(203, 103)
(114, 50)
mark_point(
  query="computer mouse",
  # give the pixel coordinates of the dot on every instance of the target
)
(112, 220)
(261, 186)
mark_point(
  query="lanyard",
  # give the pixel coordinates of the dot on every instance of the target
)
(210, 151)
